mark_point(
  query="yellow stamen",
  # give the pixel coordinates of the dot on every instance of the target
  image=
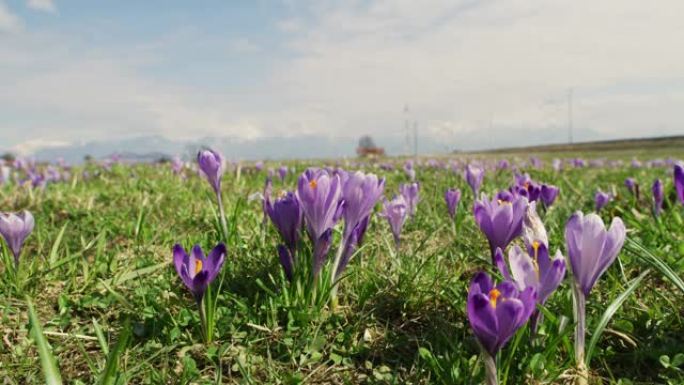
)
(313, 184)
(503, 202)
(535, 260)
(198, 266)
(494, 295)
(535, 247)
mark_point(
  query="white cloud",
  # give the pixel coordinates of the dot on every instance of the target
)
(61, 92)
(9, 22)
(466, 63)
(42, 5)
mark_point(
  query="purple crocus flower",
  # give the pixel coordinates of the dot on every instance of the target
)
(196, 270)
(212, 167)
(474, 177)
(319, 196)
(630, 183)
(592, 248)
(286, 216)
(658, 196)
(522, 179)
(499, 220)
(360, 193)
(286, 261)
(601, 199)
(533, 191)
(549, 193)
(503, 164)
(452, 197)
(395, 212)
(533, 268)
(409, 170)
(282, 172)
(411, 193)
(176, 165)
(497, 312)
(506, 195)
(679, 182)
(15, 228)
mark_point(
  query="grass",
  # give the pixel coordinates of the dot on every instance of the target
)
(98, 271)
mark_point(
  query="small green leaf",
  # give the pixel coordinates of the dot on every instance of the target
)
(111, 374)
(47, 360)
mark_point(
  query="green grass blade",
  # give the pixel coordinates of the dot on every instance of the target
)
(110, 375)
(127, 276)
(643, 254)
(610, 311)
(100, 337)
(47, 360)
(55, 246)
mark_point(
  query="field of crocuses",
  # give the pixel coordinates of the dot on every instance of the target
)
(495, 270)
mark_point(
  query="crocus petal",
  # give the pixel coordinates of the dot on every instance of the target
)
(285, 261)
(509, 314)
(613, 243)
(214, 261)
(179, 258)
(522, 268)
(483, 321)
(501, 264)
(552, 279)
(321, 248)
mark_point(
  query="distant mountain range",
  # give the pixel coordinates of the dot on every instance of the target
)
(300, 147)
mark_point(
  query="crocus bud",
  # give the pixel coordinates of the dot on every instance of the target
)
(591, 247)
(212, 167)
(452, 197)
(658, 196)
(549, 194)
(395, 212)
(411, 193)
(500, 221)
(15, 228)
(601, 199)
(679, 182)
(474, 177)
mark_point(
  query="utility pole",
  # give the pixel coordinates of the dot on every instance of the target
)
(570, 116)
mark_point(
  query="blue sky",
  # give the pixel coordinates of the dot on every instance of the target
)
(473, 73)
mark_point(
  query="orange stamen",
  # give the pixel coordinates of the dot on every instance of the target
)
(494, 295)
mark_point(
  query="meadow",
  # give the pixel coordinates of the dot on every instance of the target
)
(96, 298)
